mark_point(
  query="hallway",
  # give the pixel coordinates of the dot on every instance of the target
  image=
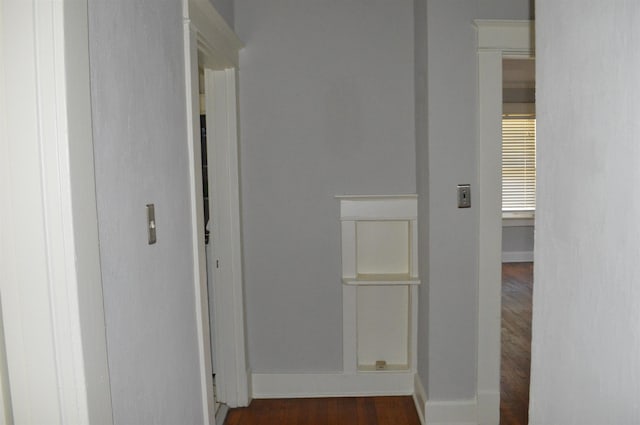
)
(517, 285)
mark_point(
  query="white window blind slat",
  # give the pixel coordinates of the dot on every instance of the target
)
(518, 162)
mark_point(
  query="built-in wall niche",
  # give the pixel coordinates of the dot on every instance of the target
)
(380, 278)
(383, 327)
(382, 247)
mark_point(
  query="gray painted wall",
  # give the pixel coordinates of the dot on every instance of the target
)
(452, 274)
(327, 108)
(137, 86)
(422, 180)
(517, 239)
(586, 345)
(225, 9)
(450, 354)
(505, 9)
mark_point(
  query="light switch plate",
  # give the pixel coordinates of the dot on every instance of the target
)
(464, 196)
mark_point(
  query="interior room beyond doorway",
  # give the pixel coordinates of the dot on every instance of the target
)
(518, 221)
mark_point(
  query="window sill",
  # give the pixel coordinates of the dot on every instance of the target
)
(518, 218)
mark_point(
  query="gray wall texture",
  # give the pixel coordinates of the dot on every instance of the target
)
(517, 239)
(422, 180)
(138, 106)
(326, 108)
(585, 364)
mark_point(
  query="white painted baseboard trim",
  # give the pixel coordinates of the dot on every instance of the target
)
(249, 388)
(517, 256)
(419, 398)
(459, 412)
(221, 414)
(293, 385)
(488, 407)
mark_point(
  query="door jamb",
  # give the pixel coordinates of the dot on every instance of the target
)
(209, 39)
(221, 101)
(51, 287)
(496, 39)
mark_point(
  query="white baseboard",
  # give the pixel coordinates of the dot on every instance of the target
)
(419, 398)
(488, 407)
(517, 256)
(221, 414)
(292, 385)
(459, 412)
(249, 387)
(308, 385)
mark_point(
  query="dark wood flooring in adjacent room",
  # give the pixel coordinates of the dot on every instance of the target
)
(327, 411)
(517, 286)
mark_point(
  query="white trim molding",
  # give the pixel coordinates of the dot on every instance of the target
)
(487, 400)
(221, 414)
(224, 184)
(518, 222)
(496, 40)
(210, 43)
(505, 36)
(307, 385)
(214, 34)
(420, 398)
(376, 208)
(457, 412)
(201, 307)
(51, 288)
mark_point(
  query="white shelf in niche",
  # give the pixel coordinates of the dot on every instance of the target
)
(380, 283)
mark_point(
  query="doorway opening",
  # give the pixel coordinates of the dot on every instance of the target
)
(497, 40)
(518, 220)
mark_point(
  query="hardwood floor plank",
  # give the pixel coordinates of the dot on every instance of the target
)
(387, 411)
(319, 409)
(347, 411)
(294, 414)
(327, 411)
(396, 410)
(333, 411)
(367, 411)
(517, 291)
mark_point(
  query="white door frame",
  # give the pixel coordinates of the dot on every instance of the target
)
(50, 286)
(211, 43)
(497, 39)
(221, 103)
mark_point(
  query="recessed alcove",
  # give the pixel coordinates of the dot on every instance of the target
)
(380, 282)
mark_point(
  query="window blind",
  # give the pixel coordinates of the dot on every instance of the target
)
(518, 162)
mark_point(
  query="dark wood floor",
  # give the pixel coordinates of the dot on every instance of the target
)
(517, 286)
(327, 411)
